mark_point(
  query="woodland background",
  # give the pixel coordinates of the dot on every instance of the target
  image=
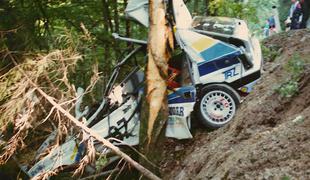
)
(65, 44)
(43, 25)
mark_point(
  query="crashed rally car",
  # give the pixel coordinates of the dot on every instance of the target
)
(216, 62)
(219, 61)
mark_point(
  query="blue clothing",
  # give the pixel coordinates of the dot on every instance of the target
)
(272, 22)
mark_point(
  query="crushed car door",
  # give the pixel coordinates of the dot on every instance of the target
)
(181, 98)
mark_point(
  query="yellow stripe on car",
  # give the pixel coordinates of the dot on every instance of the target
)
(203, 43)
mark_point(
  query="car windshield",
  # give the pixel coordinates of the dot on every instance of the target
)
(215, 24)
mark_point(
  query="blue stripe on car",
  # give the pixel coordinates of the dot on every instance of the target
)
(177, 97)
(217, 51)
(209, 67)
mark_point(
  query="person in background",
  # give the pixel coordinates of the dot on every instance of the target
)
(272, 25)
(295, 14)
(287, 24)
(272, 22)
(305, 8)
(266, 29)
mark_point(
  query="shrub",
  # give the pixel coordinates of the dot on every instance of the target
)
(270, 53)
(288, 89)
(295, 67)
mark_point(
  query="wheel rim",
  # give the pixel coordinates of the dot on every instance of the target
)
(217, 107)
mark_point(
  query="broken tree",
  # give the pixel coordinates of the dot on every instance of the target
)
(160, 41)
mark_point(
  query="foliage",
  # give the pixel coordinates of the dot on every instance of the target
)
(263, 12)
(63, 44)
(32, 26)
(255, 12)
(101, 161)
(20, 104)
(288, 89)
(284, 7)
(25, 112)
(285, 178)
(295, 67)
(232, 8)
(270, 53)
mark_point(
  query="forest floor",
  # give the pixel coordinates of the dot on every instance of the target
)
(270, 136)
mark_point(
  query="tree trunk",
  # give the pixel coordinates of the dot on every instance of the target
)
(106, 16)
(127, 22)
(116, 23)
(196, 5)
(107, 26)
(158, 56)
(207, 7)
(116, 16)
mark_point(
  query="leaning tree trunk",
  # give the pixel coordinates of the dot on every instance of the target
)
(160, 41)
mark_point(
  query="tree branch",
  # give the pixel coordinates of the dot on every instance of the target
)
(92, 133)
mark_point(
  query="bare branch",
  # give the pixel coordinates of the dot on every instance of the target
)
(92, 133)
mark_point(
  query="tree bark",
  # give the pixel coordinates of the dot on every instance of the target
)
(107, 26)
(116, 16)
(106, 16)
(207, 7)
(116, 23)
(158, 56)
(127, 23)
(196, 5)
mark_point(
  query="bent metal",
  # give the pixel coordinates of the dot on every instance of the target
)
(218, 61)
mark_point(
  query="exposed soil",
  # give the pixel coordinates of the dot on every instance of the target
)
(268, 139)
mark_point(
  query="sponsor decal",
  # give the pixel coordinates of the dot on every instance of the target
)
(176, 111)
(230, 73)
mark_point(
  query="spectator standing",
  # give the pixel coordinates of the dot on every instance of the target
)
(305, 8)
(272, 25)
(266, 29)
(272, 22)
(295, 14)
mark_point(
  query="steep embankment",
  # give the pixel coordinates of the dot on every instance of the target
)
(270, 135)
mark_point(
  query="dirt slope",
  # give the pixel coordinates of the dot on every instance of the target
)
(270, 135)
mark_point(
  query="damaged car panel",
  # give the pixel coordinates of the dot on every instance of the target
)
(216, 62)
(118, 116)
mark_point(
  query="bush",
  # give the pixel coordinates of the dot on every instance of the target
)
(295, 67)
(270, 53)
(288, 89)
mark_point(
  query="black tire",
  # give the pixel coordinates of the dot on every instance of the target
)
(217, 105)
